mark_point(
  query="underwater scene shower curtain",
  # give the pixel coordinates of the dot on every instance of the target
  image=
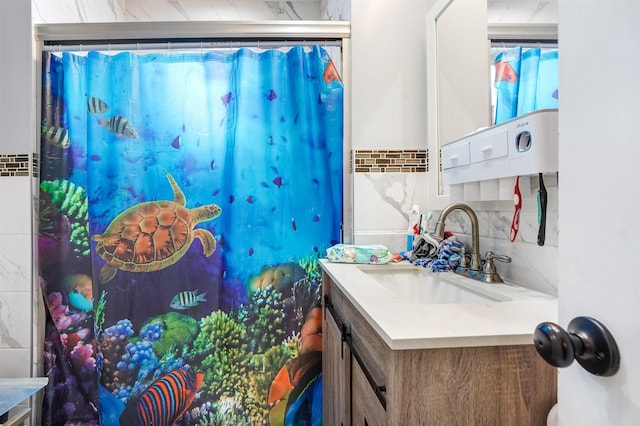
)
(185, 199)
(526, 80)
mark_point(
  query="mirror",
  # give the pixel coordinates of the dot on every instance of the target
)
(458, 42)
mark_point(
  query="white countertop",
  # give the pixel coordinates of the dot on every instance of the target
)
(405, 322)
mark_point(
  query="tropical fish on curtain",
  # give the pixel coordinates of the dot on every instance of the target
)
(184, 202)
(526, 80)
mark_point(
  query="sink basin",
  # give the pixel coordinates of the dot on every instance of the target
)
(417, 285)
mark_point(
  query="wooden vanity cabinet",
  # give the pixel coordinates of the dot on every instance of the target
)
(489, 385)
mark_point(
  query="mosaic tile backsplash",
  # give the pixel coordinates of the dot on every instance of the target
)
(16, 165)
(391, 160)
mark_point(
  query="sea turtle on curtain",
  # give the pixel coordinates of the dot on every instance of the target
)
(153, 235)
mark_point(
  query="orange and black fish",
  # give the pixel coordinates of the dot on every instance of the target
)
(331, 73)
(165, 400)
(505, 72)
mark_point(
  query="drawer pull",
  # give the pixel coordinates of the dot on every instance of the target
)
(486, 149)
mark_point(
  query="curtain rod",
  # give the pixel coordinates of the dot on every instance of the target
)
(192, 30)
(182, 45)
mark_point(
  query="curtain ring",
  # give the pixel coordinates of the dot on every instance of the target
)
(201, 49)
(138, 45)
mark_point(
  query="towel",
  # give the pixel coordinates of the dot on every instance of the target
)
(445, 257)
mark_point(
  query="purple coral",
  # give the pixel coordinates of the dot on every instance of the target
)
(82, 357)
(62, 318)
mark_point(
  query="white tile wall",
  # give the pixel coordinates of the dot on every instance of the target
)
(15, 263)
(15, 320)
(15, 214)
(15, 363)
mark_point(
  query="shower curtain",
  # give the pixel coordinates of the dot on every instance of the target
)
(185, 199)
(526, 80)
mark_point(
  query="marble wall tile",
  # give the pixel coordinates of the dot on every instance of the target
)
(15, 324)
(15, 213)
(382, 200)
(335, 10)
(15, 262)
(15, 363)
(65, 11)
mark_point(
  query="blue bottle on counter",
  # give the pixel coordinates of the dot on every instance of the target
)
(414, 225)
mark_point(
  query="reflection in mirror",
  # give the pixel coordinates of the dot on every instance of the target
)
(459, 95)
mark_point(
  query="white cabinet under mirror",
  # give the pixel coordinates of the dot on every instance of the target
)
(458, 43)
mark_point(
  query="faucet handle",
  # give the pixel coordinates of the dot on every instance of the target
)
(464, 261)
(489, 256)
(490, 274)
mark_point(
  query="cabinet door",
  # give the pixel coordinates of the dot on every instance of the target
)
(335, 389)
(367, 410)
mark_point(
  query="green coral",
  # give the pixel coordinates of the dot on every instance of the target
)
(99, 314)
(264, 367)
(71, 199)
(263, 317)
(228, 415)
(178, 331)
(311, 267)
(222, 348)
(307, 291)
(292, 344)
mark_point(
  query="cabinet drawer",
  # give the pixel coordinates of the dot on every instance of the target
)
(494, 145)
(455, 155)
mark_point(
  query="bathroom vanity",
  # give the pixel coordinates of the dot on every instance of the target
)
(404, 346)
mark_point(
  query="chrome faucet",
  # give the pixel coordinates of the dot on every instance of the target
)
(475, 268)
(438, 232)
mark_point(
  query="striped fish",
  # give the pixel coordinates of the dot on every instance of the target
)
(187, 299)
(58, 136)
(120, 126)
(96, 105)
(165, 400)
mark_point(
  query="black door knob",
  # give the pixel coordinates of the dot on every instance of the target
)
(586, 340)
